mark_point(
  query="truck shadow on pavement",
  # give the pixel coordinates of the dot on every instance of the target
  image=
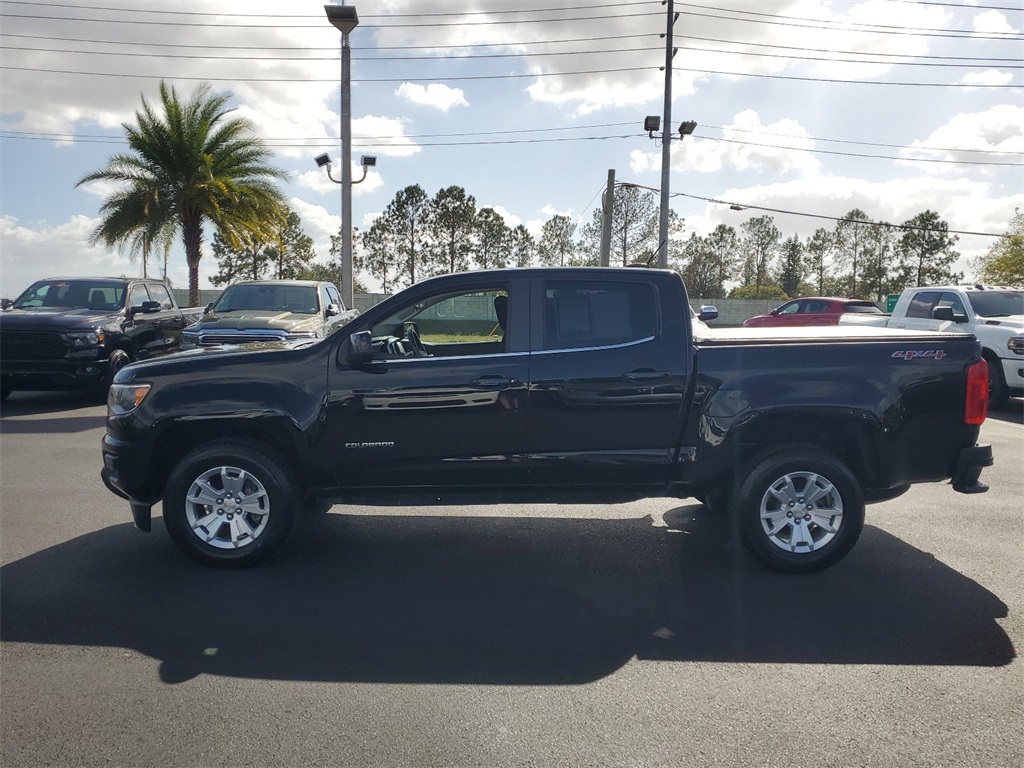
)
(496, 600)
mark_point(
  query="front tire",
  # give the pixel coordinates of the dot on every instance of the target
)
(231, 504)
(799, 511)
(998, 392)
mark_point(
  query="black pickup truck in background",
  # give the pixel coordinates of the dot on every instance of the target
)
(77, 332)
(554, 385)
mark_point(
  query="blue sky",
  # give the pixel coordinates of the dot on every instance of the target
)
(805, 109)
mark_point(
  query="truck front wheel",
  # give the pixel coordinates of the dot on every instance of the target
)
(998, 393)
(799, 510)
(230, 504)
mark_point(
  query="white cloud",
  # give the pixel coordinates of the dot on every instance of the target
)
(511, 219)
(988, 77)
(993, 22)
(31, 251)
(549, 210)
(747, 144)
(436, 95)
(967, 136)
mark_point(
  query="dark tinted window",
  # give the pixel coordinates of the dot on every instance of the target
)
(921, 304)
(592, 314)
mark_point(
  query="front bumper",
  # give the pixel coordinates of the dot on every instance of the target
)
(126, 473)
(36, 375)
(969, 464)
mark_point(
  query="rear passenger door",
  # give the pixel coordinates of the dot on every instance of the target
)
(608, 371)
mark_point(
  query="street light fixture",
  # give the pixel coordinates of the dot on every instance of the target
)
(367, 161)
(344, 18)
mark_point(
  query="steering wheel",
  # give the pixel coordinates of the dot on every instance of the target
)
(412, 335)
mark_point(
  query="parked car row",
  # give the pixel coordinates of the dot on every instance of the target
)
(76, 333)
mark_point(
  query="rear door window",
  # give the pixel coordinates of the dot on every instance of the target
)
(922, 303)
(583, 314)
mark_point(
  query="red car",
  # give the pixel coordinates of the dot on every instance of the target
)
(811, 310)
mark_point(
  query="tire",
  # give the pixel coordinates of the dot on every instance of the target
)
(5, 392)
(245, 530)
(118, 359)
(830, 520)
(998, 392)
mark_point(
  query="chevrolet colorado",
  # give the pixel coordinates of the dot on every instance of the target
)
(582, 384)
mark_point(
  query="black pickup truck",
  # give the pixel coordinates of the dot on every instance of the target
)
(77, 332)
(555, 385)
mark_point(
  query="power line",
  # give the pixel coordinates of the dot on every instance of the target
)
(470, 78)
(318, 16)
(837, 81)
(773, 19)
(984, 63)
(380, 142)
(330, 80)
(986, 60)
(744, 206)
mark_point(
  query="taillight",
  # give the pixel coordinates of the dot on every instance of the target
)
(976, 407)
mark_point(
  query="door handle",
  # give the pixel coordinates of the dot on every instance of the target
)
(493, 382)
(646, 375)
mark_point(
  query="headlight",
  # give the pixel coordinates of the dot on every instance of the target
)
(86, 339)
(189, 337)
(1016, 344)
(125, 398)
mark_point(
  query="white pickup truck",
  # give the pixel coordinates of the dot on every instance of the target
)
(994, 315)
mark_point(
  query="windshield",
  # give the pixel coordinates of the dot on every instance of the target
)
(269, 297)
(104, 295)
(997, 303)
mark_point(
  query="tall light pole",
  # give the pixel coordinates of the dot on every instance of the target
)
(345, 19)
(666, 139)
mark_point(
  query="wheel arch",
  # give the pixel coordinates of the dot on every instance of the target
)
(849, 437)
(275, 435)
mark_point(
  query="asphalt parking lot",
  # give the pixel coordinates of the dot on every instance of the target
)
(632, 634)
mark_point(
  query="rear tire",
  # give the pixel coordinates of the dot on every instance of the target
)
(5, 392)
(231, 504)
(799, 510)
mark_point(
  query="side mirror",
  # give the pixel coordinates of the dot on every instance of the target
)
(945, 314)
(708, 313)
(146, 308)
(333, 310)
(6, 303)
(209, 308)
(360, 348)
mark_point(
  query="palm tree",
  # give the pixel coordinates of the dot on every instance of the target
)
(188, 166)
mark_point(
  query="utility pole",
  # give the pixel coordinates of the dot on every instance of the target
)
(607, 209)
(666, 139)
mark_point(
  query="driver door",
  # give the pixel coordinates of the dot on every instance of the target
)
(445, 410)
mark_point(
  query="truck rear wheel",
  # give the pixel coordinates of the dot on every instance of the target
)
(230, 504)
(799, 510)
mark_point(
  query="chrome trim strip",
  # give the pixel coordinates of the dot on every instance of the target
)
(432, 358)
(595, 349)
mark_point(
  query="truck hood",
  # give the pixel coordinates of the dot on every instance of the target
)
(56, 319)
(248, 320)
(203, 359)
(1012, 322)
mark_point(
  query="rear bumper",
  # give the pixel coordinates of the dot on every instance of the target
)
(969, 464)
